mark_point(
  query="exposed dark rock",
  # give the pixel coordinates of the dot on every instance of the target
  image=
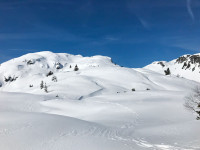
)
(59, 65)
(30, 62)
(181, 59)
(184, 65)
(188, 66)
(194, 59)
(161, 63)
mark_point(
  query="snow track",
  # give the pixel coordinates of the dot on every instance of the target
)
(93, 108)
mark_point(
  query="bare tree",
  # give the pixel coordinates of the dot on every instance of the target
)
(192, 101)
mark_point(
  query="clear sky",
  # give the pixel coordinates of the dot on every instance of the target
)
(133, 32)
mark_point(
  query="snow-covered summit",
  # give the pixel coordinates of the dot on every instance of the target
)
(186, 66)
(76, 76)
(52, 101)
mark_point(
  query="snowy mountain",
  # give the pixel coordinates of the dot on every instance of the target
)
(186, 66)
(58, 101)
(94, 75)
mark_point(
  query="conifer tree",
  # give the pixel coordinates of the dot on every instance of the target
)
(76, 68)
(45, 88)
(41, 85)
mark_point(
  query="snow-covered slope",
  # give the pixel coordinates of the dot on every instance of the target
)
(96, 74)
(187, 66)
(98, 106)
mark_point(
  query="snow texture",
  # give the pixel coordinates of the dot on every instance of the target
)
(93, 108)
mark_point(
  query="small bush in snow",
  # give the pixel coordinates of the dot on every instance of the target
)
(30, 85)
(147, 89)
(133, 89)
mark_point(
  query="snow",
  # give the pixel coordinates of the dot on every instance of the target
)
(95, 108)
(177, 69)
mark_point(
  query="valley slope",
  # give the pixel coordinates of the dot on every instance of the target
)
(98, 106)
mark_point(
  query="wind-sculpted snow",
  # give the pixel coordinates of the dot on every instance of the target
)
(93, 108)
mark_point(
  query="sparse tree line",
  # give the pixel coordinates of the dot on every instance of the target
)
(44, 86)
(57, 65)
(10, 79)
(31, 62)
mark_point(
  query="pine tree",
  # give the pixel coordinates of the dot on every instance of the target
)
(76, 68)
(41, 85)
(54, 78)
(167, 72)
(45, 88)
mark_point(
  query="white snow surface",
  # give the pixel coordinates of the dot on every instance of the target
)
(95, 109)
(191, 72)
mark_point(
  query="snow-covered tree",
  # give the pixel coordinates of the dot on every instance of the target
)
(49, 73)
(167, 72)
(42, 85)
(54, 78)
(76, 68)
(45, 88)
(10, 79)
(193, 101)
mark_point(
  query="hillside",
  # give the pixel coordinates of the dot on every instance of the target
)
(95, 74)
(96, 105)
(186, 66)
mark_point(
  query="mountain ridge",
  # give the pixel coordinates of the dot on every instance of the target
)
(75, 76)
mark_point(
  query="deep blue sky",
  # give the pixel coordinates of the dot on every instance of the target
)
(133, 32)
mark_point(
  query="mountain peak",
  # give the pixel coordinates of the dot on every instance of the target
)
(187, 66)
(75, 76)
